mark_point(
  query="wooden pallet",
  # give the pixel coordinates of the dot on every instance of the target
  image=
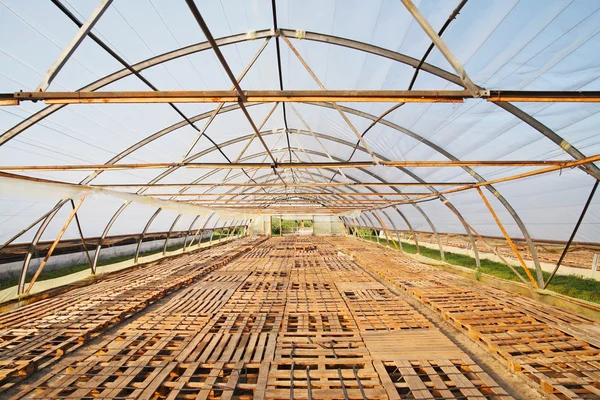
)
(318, 322)
(437, 379)
(543, 342)
(278, 322)
(213, 381)
(565, 377)
(31, 344)
(300, 380)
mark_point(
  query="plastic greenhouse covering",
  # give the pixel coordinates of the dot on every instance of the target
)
(124, 165)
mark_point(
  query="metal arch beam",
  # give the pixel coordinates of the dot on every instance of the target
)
(415, 233)
(187, 234)
(167, 130)
(391, 221)
(283, 193)
(201, 231)
(194, 157)
(233, 39)
(364, 223)
(139, 244)
(400, 129)
(105, 232)
(419, 209)
(34, 223)
(73, 44)
(309, 36)
(396, 229)
(347, 225)
(50, 215)
(591, 169)
(445, 201)
(415, 136)
(387, 232)
(469, 170)
(354, 223)
(169, 233)
(32, 246)
(212, 231)
(357, 224)
(352, 44)
(335, 194)
(225, 225)
(108, 79)
(365, 215)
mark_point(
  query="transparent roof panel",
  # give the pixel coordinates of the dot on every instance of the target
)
(152, 47)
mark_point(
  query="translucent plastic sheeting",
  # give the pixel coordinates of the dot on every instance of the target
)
(44, 190)
(503, 44)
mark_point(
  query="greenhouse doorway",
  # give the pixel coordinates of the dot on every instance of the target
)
(291, 226)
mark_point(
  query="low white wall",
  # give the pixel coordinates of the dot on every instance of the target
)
(549, 267)
(68, 260)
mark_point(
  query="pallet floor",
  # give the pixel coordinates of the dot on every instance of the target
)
(294, 318)
(556, 350)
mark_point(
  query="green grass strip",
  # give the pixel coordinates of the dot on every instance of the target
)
(57, 273)
(575, 286)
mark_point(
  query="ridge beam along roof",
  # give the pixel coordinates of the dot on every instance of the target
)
(299, 96)
(295, 165)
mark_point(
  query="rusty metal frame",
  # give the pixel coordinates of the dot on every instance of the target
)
(64, 228)
(592, 169)
(139, 244)
(187, 234)
(169, 233)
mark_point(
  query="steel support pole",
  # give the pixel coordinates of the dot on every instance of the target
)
(169, 234)
(187, 234)
(34, 223)
(72, 46)
(385, 229)
(200, 232)
(84, 245)
(399, 242)
(443, 48)
(509, 240)
(365, 215)
(54, 244)
(139, 244)
(575, 229)
(105, 232)
(212, 232)
(33, 245)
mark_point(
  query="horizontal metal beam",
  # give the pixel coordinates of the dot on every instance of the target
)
(291, 194)
(299, 96)
(356, 164)
(289, 185)
(541, 171)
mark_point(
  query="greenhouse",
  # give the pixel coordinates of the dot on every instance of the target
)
(389, 199)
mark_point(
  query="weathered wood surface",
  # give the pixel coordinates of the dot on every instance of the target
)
(558, 350)
(291, 318)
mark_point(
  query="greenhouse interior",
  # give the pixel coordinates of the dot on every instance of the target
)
(277, 199)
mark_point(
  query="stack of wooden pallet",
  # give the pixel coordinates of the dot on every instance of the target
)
(36, 336)
(277, 327)
(556, 349)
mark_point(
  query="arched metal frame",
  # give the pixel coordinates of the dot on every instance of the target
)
(187, 234)
(444, 200)
(139, 244)
(395, 230)
(200, 231)
(212, 231)
(364, 47)
(169, 234)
